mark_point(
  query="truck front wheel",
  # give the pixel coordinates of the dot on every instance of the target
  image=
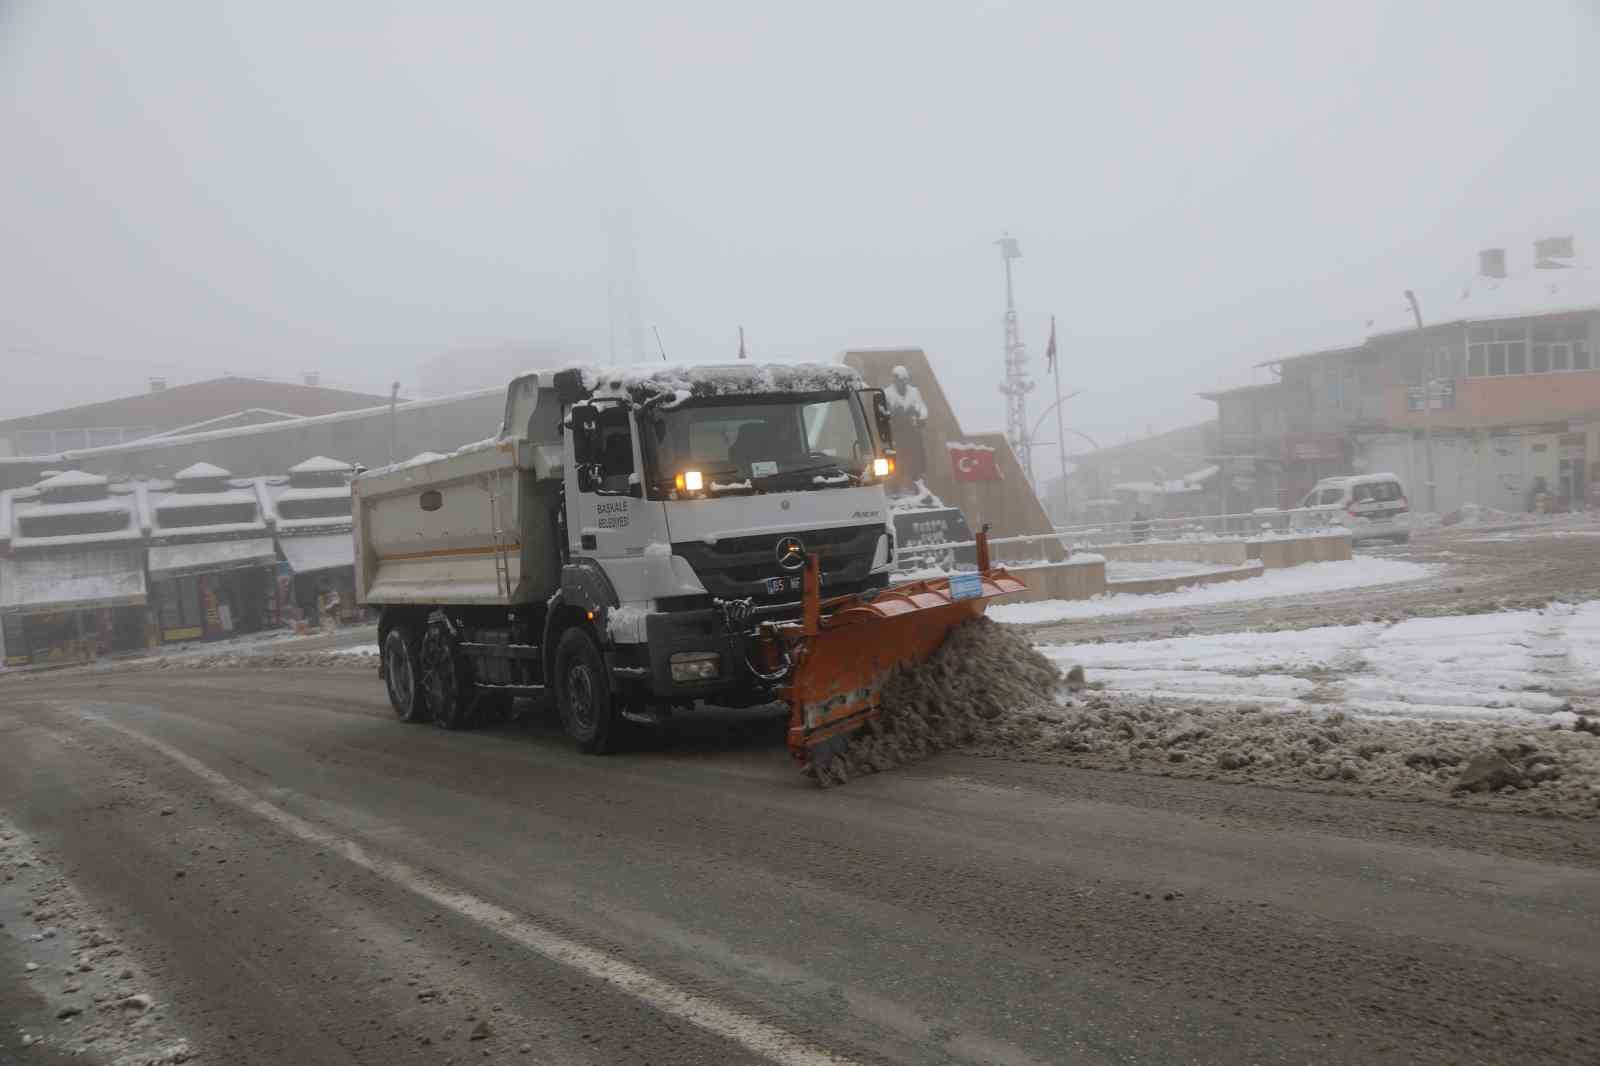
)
(583, 692)
(402, 674)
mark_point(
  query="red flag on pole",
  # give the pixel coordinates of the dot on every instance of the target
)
(1050, 352)
(973, 462)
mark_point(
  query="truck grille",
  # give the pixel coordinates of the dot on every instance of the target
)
(740, 567)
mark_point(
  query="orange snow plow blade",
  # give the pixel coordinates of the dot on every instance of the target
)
(845, 650)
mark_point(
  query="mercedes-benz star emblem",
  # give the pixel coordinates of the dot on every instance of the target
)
(791, 553)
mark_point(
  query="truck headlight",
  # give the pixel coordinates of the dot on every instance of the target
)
(696, 666)
(881, 467)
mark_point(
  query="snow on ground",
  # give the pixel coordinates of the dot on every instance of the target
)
(1516, 666)
(1298, 581)
(1120, 570)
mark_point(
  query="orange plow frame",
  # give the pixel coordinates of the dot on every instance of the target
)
(845, 650)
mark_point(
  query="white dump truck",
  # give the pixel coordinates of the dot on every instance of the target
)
(621, 542)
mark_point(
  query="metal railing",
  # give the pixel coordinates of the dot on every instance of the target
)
(1039, 549)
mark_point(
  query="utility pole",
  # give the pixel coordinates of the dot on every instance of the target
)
(394, 418)
(1016, 385)
(1061, 432)
(1427, 370)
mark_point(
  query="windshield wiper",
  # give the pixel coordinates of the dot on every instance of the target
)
(840, 467)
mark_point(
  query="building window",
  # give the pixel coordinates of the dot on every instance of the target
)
(1548, 348)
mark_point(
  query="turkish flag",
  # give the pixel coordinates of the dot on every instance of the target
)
(974, 462)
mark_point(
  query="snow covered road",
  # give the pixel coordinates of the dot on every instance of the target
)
(1514, 665)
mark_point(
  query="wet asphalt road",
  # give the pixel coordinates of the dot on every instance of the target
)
(355, 890)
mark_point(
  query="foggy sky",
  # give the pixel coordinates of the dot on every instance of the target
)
(193, 188)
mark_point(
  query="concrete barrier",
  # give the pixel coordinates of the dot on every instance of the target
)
(1081, 578)
(1221, 552)
(1153, 586)
(1276, 553)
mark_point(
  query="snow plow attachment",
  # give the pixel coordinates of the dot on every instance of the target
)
(844, 651)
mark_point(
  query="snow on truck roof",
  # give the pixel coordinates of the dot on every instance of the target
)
(668, 384)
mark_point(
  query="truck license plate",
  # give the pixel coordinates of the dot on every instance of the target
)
(965, 586)
(780, 584)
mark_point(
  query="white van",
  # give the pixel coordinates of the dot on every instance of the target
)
(1371, 506)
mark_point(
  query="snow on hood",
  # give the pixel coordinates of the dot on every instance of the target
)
(667, 385)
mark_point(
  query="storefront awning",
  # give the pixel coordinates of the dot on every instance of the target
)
(71, 581)
(308, 555)
(209, 556)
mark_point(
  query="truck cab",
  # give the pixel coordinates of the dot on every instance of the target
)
(618, 544)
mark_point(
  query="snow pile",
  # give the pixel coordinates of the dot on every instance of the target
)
(1295, 581)
(982, 679)
(1549, 770)
(989, 693)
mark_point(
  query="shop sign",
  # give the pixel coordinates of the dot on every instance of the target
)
(1313, 447)
(1441, 395)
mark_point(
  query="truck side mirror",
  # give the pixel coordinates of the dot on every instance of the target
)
(586, 447)
(875, 401)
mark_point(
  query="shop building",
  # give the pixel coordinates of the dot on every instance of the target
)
(72, 577)
(311, 511)
(1487, 393)
(212, 561)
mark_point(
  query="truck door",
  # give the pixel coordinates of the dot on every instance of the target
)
(607, 487)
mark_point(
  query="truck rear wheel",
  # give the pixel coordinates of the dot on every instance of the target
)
(583, 692)
(402, 672)
(446, 679)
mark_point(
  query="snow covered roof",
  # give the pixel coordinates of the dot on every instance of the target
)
(668, 384)
(1539, 291)
(321, 464)
(71, 479)
(197, 471)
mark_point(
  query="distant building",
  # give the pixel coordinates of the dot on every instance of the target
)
(92, 566)
(1166, 474)
(220, 403)
(1494, 402)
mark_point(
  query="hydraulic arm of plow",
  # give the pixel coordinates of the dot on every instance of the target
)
(844, 651)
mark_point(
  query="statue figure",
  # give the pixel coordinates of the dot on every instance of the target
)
(909, 414)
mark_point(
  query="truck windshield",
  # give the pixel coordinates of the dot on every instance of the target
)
(754, 445)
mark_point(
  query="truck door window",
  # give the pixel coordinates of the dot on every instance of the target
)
(616, 451)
